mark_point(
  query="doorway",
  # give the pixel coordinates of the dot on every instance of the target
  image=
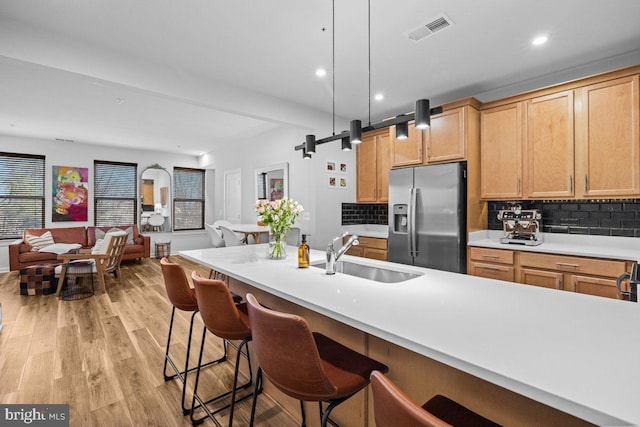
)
(232, 195)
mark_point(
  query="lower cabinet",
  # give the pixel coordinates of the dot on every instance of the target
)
(369, 247)
(593, 276)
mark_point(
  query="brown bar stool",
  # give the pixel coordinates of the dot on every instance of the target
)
(304, 365)
(182, 297)
(229, 321)
(391, 408)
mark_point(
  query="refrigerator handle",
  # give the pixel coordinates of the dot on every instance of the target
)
(412, 222)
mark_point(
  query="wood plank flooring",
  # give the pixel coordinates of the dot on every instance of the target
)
(103, 355)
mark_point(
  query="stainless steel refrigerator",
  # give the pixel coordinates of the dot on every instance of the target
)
(427, 216)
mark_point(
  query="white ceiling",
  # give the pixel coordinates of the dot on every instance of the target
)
(193, 76)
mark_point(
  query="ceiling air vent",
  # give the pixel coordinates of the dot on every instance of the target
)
(434, 25)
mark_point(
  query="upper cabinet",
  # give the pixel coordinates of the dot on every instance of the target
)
(576, 140)
(549, 146)
(406, 152)
(501, 136)
(446, 138)
(373, 161)
(607, 136)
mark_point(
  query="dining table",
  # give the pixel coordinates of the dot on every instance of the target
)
(253, 230)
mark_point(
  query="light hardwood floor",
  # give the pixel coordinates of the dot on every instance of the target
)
(103, 355)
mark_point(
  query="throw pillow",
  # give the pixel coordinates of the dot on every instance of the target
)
(129, 230)
(39, 242)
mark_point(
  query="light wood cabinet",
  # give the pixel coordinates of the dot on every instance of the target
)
(501, 137)
(373, 162)
(446, 137)
(542, 278)
(550, 146)
(608, 138)
(491, 263)
(369, 247)
(598, 286)
(406, 152)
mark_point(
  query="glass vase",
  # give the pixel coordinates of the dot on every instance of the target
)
(277, 245)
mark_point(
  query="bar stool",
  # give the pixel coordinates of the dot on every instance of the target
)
(391, 407)
(182, 297)
(304, 365)
(229, 321)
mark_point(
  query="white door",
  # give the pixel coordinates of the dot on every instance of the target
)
(232, 195)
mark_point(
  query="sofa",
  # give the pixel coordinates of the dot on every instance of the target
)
(21, 254)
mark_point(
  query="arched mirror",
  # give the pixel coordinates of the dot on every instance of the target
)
(155, 199)
(272, 182)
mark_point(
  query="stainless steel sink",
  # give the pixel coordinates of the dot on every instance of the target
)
(372, 273)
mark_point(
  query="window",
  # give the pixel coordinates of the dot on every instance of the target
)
(21, 194)
(115, 193)
(188, 200)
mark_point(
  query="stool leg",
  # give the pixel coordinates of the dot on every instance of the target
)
(325, 415)
(166, 353)
(256, 392)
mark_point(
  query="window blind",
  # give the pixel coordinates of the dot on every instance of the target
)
(188, 199)
(115, 193)
(21, 194)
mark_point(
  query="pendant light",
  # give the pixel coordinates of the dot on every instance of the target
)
(423, 114)
(305, 155)
(346, 144)
(402, 129)
(355, 129)
(310, 144)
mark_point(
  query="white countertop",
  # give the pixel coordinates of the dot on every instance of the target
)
(367, 230)
(574, 352)
(623, 248)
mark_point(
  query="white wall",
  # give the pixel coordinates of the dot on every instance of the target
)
(82, 155)
(307, 178)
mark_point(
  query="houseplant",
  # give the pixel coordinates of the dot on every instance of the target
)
(279, 216)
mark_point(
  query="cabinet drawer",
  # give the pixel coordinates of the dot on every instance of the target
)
(541, 278)
(369, 242)
(597, 267)
(379, 254)
(492, 271)
(595, 286)
(491, 255)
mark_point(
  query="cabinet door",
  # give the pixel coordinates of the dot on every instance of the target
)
(355, 251)
(408, 151)
(542, 278)
(607, 138)
(550, 146)
(445, 138)
(366, 170)
(492, 271)
(501, 130)
(373, 253)
(595, 286)
(383, 166)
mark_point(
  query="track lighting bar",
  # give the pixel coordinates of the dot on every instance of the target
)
(373, 126)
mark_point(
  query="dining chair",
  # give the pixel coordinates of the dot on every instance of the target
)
(106, 256)
(305, 365)
(217, 223)
(156, 221)
(214, 236)
(392, 407)
(230, 238)
(293, 237)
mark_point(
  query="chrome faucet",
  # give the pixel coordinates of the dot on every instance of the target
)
(333, 255)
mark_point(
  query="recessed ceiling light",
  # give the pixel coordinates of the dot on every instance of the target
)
(321, 72)
(119, 100)
(378, 97)
(540, 40)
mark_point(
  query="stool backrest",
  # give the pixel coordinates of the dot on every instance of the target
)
(391, 407)
(178, 290)
(219, 313)
(287, 352)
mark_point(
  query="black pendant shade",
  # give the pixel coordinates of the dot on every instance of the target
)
(355, 130)
(310, 144)
(423, 114)
(402, 130)
(346, 144)
(305, 155)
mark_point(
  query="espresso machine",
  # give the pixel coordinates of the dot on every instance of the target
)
(521, 226)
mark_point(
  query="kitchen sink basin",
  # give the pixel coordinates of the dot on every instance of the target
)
(372, 273)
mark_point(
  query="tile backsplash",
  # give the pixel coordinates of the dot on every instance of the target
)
(596, 217)
(365, 213)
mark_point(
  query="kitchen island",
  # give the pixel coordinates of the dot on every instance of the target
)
(511, 352)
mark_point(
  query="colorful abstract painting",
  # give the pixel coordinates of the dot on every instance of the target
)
(70, 193)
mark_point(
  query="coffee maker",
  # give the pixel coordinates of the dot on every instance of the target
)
(521, 226)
